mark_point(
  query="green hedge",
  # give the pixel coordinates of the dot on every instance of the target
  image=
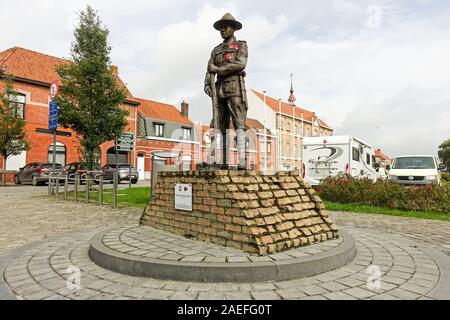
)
(386, 194)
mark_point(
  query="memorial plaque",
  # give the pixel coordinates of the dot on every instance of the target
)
(183, 197)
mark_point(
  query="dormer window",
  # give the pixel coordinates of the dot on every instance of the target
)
(186, 133)
(159, 129)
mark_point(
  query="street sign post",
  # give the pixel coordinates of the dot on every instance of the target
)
(53, 124)
(125, 142)
(53, 116)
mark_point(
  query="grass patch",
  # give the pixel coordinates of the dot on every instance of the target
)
(134, 197)
(333, 206)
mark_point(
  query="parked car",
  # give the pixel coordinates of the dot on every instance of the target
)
(36, 173)
(124, 172)
(415, 170)
(77, 167)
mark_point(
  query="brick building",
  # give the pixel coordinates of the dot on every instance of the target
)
(288, 124)
(33, 74)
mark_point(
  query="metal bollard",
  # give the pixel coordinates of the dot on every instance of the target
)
(87, 189)
(66, 182)
(100, 191)
(114, 191)
(57, 187)
(77, 180)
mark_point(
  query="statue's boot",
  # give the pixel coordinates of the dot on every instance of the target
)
(240, 135)
(224, 164)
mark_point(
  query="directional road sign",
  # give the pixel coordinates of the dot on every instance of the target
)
(125, 142)
(53, 116)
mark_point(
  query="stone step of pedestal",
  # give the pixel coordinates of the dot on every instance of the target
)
(147, 252)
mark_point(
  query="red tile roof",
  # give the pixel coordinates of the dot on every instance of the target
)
(31, 65)
(162, 111)
(381, 155)
(253, 124)
(290, 110)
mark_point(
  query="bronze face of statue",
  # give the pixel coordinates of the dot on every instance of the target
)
(228, 61)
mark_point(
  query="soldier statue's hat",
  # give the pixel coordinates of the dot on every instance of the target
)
(229, 20)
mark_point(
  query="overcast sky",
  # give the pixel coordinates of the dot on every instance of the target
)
(376, 69)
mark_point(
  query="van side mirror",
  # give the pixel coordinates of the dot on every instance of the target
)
(388, 167)
(21, 169)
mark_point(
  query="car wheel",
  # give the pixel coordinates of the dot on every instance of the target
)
(34, 182)
(134, 181)
(17, 180)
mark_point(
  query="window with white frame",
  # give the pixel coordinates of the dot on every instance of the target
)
(17, 105)
(159, 129)
(187, 133)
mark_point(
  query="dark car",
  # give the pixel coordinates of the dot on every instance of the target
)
(36, 173)
(124, 172)
(77, 167)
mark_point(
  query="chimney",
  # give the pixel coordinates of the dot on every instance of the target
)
(115, 70)
(185, 109)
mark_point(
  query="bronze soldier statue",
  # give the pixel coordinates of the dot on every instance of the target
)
(228, 61)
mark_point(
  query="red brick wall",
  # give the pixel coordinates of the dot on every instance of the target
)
(36, 116)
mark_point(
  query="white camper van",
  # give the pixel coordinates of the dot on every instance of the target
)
(331, 155)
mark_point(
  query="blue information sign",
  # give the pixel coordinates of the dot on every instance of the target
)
(53, 116)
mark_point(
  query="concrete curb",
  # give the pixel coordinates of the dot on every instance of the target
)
(222, 272)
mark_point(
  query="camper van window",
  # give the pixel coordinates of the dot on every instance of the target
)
(368, 158)
(355, 154)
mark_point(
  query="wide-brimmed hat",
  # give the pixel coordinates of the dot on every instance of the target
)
(229, 20)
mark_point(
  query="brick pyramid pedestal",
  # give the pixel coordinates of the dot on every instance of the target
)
(260, 213)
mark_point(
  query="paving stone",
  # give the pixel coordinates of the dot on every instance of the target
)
(338, 296)
(291, 293)
(403, 294)
(193, 259)
(415, 288)
(136, 292)
(350, 282)
(211, 296)
(313, 290)
(316, 297)
(184, 295)
(263, 286)
(158, 295)
(359, 293)
(201, 287)
(332, 286)
(393, 280)
(237, 259)
(177, 286)
(237, 296)
(384, 296)
(265, 295)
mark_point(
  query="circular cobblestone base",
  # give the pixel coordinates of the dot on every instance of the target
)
(147, 252)
(407, 270)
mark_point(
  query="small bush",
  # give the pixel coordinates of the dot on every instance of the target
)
(386, 194)
(445, 176)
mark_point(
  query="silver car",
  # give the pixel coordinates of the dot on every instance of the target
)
(125, 171)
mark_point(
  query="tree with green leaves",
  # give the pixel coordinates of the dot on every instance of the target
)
(90, 97)
(12, 133)
(444, 153)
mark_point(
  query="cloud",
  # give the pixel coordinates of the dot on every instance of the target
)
(414, 121)
(349, 57)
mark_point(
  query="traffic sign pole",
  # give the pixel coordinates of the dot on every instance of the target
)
(53, 124)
